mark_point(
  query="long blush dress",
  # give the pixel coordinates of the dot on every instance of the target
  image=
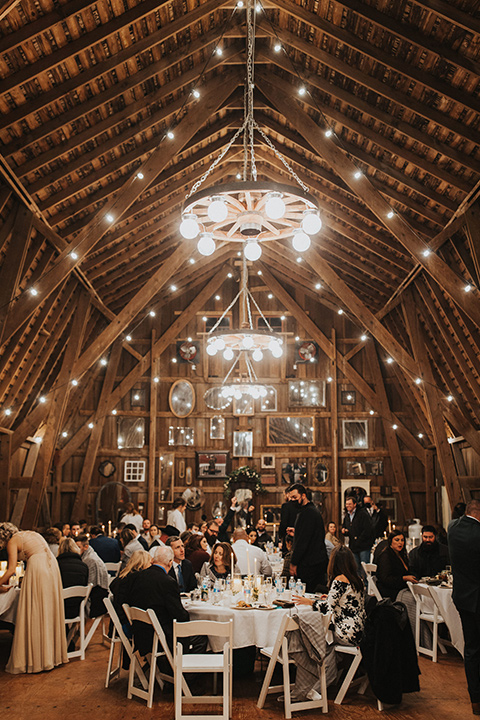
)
(39, 642)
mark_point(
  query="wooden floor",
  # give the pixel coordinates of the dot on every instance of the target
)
(77, 690)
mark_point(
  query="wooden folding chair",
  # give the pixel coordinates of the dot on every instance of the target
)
(203, 663)
(279, 654)
(372, 589)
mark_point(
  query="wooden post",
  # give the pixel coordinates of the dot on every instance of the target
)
(152, 434)
(5, 441)
(429, 486)
(336, 502)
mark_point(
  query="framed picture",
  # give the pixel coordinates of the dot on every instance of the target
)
(290, 430)
(294, 471)
(306, 393)
(181, 435)
(212, 465)
(271, 513)
(365, 467)
(244, 405)
(137, 397)
(268, 462)
(130, 432)
(355, 434)
(243, 443)
(269, 402)
(217, 427)
(348, 397)
(306, 351)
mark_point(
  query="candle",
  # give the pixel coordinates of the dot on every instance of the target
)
(231, 558)
(389, 525)
(109, 528)
(248, 564)
(274, 532)
(255, 567)
(103, 528)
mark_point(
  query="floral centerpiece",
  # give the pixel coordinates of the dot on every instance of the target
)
(243, 474)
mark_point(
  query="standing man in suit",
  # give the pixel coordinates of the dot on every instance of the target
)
(309, 556)
(181, 570)
(464, 548)
(358, 527)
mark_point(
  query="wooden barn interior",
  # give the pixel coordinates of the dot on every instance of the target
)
(110, 112)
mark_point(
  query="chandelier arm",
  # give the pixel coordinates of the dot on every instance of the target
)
(231, 370)
(215, 162)
(225, 312)
(251, 371)
(261, 313)
(279, 155)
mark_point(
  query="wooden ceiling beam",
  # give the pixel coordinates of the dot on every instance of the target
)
(399, 228)
(374, 53)
(98, 226)
(375, 85)
(13, 264)
(451, 13)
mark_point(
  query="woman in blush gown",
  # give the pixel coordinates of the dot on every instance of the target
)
(39, 642)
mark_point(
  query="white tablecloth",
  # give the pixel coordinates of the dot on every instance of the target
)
(450, 614)
(8, 605)
(250, 627)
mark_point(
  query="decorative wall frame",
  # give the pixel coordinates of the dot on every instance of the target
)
(364, 467)
(355, 434)
(269, 402)
(294, 471)
(212, 465)
(306, 393)
(244, 405)
(130, 432)
(348, 397)
(290, 430)
(138, 397)
(217, 427)
(134, 471)
(268, 462)
(271, 513)
(306, 351)
(181, 398)
(181, 436)
(243, 443)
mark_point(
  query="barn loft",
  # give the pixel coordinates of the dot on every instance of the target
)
(110, 112)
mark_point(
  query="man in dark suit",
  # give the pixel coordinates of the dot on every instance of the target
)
(309, 556)
(288, 515)
(181, 570)
(464, 548)
(107, 548)
(154, 588)
(358, 527)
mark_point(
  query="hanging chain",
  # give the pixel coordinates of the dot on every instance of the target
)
(225, 312)
(250, 123)
(261, 313)
(281, 158)
(215, 162)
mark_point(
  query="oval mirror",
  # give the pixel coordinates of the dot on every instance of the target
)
(181, 398)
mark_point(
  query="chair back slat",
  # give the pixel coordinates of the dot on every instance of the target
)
(77, 591)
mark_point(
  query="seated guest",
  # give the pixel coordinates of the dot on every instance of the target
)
(153, 588)
(211, 533)
(53, 536)
(141, 539)
(252, 536)
(262, 535)
(131, 515)
(393, 570)
(246, 555)
(345, 599)
(73, 571)
(193, 527)
(196, 551)
(120, 586)
(219, 567)
(130, 544)
(154, 538)
(106, 548)
(224, 522)
(75, 529)
(184, 536)
(145, 531)
(66, 530)
(181, 570)
(287, 554)
(176, 516)
(331, 534)
(97, 575)
(430, 557)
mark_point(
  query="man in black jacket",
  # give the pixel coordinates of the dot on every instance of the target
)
(357, 526)
(430, 557)
(464, 547)
(106, 548)
(309, 556)
(181, 570)
(288, 515)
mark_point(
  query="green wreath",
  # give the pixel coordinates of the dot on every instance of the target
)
(246, 473)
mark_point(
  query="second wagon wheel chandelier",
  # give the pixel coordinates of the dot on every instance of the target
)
(250, 212)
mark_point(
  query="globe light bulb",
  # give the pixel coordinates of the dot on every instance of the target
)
(300, 241)
(189, 227)
(217, 210)
(257, 355)
(219, 343)
(206, 244)
(252, 250)
(224, 393)
(275, 207)
(263, 392)
(247, 342)
(255, 393)
(211, 350)
(228, 354)
(311, 223)
(237, 395)
(276, 350)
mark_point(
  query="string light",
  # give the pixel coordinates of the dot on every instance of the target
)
(114, 412)
(65, 434)
(140, 176)
(156, 379)
(372, 412)
(74, 256)
(229, 275)
(217, 297)
(270, 296)
(318, 286)
(152, 313)
(42, 399)
(128, 338)
(418, 381)
(389, 360)
(328, 133)
(329, 379)
(390, 214)
(364, 337)
(170, 135)
(467, 288)
(74, 383)
(173, 288)
(8, 411)
(420, 435)
(103, 362)
(426, 252)
(174, 360)
(109, 218)
(33, 291)
(301, 91)
(219, 51)
(277, 47)
(196, 94)
(299, 259)
(340, 311)
(192, 261)
(357, 175)
(395, 427)
(238, 176)
(90, 425)
(450, 398)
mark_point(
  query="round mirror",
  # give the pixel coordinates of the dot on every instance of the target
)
(181, 398)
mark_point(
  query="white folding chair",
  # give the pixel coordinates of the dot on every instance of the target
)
(354, 652)
(159, 649)
(112, 568)
(203, 663)
(372, 589)
(279, 654)
(78, 622)
(426, 610)
(120, 640)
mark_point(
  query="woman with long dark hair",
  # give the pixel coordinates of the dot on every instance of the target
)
(345, 599)
(220, 563)
(393, 570)
(196, 550)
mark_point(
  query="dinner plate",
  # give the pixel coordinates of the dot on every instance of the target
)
(235, 607)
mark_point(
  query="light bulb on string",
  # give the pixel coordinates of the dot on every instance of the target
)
(211, 350)
(228, 354)
(189, 227)
(257, 355)
(311, 222)
(252, 250)
(247, 342)
(206, 244)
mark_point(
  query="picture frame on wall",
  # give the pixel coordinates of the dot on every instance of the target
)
(212, 465)
(364, 467)
(355, 434)
(271, 513)
(290, 430)
(295, 471)
(243, 443)
(268, 462)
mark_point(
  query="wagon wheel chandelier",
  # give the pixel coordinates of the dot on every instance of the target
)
(249, 212)
(244, 346)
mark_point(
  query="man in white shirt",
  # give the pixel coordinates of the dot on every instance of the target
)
(176, 516)
(246, 555)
